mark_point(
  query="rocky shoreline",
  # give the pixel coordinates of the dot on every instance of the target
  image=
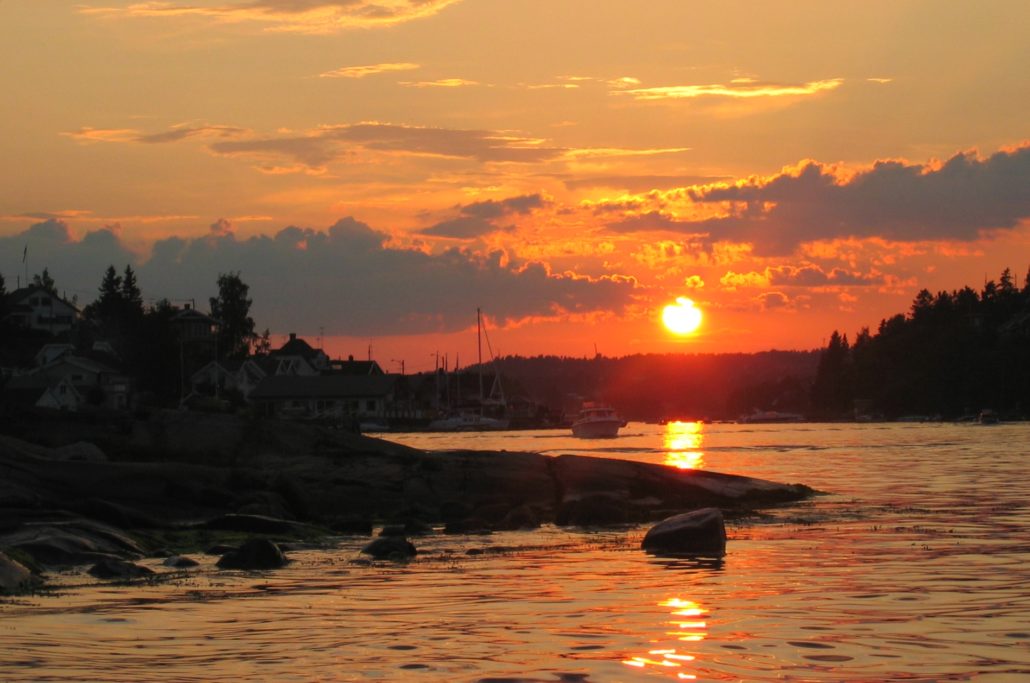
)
(89, 492)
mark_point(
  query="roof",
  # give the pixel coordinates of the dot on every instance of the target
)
(296, 347)
(282, 387)
(17, 298)
(355, 367)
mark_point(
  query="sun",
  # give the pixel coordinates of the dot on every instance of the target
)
(682, 317)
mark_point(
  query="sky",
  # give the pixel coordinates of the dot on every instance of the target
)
(376, 170)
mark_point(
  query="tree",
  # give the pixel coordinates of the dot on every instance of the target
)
(109, 303)
(263, 346)
(45, 281)
(231, 308)
(132, 297)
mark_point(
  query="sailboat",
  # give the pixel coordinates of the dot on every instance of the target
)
(465, 421)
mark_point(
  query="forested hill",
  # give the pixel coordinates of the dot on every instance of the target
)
(954, 354)
(652, 386)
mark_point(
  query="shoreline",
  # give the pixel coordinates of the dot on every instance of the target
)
(180, 481)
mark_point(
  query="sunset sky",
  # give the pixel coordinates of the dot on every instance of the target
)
(378, 169)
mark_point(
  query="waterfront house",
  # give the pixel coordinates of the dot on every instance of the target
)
(332, 397)
(37, 308)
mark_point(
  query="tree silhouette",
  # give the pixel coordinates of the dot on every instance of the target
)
(231, 308)
(45, 281)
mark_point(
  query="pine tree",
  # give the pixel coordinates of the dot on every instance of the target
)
(45, 281)
(132, 298)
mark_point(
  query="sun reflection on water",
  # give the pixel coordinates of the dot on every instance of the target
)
(687, 625)
(683, 442)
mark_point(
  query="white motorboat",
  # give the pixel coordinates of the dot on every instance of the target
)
(596, 421)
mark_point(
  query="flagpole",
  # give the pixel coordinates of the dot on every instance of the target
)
(25, 262)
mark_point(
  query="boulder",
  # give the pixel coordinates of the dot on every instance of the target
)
(396, 548)
(74, 541)
(257, 553)
(701, 532)
(180, 562)
(255, 524)
(14, 576)
(112, 568)
(81, 451)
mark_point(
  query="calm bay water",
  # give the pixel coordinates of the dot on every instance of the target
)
(914, 567)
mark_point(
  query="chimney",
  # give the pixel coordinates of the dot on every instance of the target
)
(293, 336)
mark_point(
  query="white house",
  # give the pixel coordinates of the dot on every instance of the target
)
(36, 308)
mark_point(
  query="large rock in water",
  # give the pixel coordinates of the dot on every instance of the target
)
(390, 548)
(14, 576)
(257, 553)
(701, 532)
(112, 568)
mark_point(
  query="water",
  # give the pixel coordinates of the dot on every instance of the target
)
(916, 567)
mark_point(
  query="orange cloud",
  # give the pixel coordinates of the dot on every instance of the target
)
(741, 88)
(368, 70)
(302, 16)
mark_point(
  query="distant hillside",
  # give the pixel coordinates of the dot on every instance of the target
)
(653, 386)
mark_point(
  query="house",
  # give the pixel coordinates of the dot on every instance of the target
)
(297, 357)
(220, 376)
(335, 397)
(193, 326)
(37, 308)
(71, 382)
(355, 367)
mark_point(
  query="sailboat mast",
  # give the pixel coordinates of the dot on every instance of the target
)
(479, 347)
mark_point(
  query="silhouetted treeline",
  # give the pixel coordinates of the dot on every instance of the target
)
(670, 386)
(952, 355)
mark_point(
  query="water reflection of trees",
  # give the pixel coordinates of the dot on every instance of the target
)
(683, 442)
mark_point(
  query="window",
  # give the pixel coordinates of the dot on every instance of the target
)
(370, 405)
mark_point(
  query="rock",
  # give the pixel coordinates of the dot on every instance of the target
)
(255, 524)
(701, 532)
(14, 576)
(396, 548)
(111, 568)
(596, 510)
(352, 524)
(221, 549)
(121, 516)
(257, 553)
(75, 541)
(471, 525)
(81, 451)
(180, 562)
(522, 517)
(411, 527)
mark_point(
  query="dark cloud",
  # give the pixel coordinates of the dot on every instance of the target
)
(477, 219)
(77, 266)
(814, 276)
(344, 279)
(894, 200)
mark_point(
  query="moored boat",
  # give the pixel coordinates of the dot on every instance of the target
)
(596, 421)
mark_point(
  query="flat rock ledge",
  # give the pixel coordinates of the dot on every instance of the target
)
(115, 491)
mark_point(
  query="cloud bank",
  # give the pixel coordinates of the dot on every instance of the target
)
(345, 279)
(302, 16)
(893, 200)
